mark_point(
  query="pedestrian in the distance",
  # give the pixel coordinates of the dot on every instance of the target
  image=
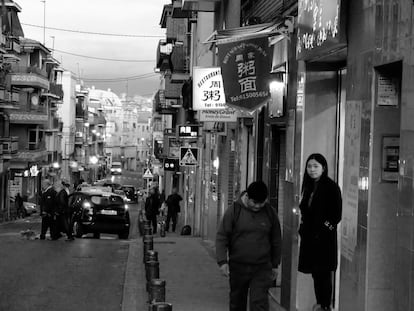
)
(18, 203)
(64, 214)
(248, 248)
(152, 207)
(173, 208)
(321, 210)
(48, 210)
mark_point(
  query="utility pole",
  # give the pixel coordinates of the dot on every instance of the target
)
(44, 21)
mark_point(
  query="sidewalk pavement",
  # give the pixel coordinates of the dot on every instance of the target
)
(193, 280)
(187, 264)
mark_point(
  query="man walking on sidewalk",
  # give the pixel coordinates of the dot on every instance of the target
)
(173, 204)
(248, 248)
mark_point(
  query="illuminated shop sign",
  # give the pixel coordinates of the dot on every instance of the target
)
(320, 26)
(188, 131)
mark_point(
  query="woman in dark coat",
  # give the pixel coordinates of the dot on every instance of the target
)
(321, 210)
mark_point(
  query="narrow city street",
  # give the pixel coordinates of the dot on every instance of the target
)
(86, 274)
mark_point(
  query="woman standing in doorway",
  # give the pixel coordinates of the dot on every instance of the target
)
(321, 211)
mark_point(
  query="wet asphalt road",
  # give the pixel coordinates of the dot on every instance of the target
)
(86, 274)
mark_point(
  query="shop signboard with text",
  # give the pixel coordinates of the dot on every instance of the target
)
(245, 67)
(321, 27)
(208, 92)
(224, 115)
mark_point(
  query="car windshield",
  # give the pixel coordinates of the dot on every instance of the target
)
(106, 200)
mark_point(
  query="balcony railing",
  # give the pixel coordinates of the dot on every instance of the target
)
(28, 69)
(29, 76)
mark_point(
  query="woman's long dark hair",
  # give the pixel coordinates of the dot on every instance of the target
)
(308, 182)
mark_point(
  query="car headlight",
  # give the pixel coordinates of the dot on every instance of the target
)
(126, 207)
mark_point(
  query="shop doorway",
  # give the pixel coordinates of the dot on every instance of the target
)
(322, 132)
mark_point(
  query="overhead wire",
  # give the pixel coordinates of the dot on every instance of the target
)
(121, 79)
(95, 33)
(107, 59)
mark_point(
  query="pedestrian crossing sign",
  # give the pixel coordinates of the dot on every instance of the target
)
(147, 174)
(189, 156)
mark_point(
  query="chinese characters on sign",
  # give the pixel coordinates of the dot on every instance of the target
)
(208, 92)
(188, 131)
(245, 67)
(319, 25)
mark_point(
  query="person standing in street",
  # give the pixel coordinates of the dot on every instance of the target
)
(48, 210)
(173, 208)
(248, 248)
(18, 203)
(321, 211)
(64, 215)
(152, 207)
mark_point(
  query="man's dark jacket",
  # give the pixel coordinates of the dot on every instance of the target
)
(152, 205)
(48, 201)
(173, 203)
(62, 202)
(249, 237)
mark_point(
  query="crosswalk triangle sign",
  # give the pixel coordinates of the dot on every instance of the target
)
(188, 157)
(148, 174)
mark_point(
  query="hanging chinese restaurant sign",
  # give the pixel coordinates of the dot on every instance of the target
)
(245, 67)
(321, 27)
(208, 92)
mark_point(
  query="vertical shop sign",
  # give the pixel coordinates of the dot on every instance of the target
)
(245, 67)
(351, 178)
(208, 92)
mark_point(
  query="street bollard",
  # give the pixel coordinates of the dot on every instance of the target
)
(152, 271)
(156, 291)
(147, 229)
(151, 255)
(162, 229)
(160, 306)
(148, 245)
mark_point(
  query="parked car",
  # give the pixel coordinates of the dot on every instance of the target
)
(108, 183)
(99, 211)
(116, 168)
(122, 194)
(30, 208)
(130, 192)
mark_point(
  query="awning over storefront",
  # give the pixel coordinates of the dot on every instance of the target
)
(279, 29)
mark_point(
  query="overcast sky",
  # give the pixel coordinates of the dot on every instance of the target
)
(126, 17)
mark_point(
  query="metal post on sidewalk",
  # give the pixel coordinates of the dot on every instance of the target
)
(160, 306)
(156, 291)
(151, 255)
(148, 245)
(152, 271)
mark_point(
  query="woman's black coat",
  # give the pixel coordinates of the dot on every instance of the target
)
(318, 245)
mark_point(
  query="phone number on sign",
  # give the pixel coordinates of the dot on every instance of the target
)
(249, 95)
